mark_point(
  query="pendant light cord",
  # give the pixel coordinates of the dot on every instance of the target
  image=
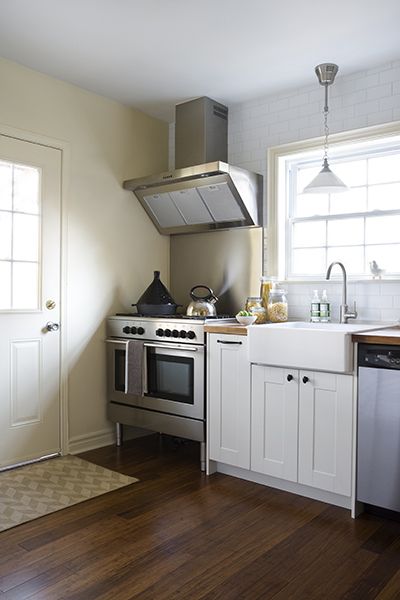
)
(326, 128)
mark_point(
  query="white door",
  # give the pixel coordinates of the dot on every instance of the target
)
(274, 419)
(229, 400)
(30, 176)
(325, 431)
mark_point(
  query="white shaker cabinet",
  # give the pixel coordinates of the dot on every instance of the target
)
(274, 422)
(302, 427)
(229, 400)
(325, 431)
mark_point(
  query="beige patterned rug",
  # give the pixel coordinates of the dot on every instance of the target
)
(35, 490)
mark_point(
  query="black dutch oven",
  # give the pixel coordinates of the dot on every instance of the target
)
(156, 300)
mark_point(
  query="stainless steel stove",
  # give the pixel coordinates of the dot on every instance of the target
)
(156, 374)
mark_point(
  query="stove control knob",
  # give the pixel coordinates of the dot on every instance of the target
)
(140, 330)
(175, 333)
(133, 330)
(126, 330)
(182, 334)
(160, 332)
(167, 333)
(191, 335)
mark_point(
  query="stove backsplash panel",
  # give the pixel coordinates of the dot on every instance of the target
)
(229, 262)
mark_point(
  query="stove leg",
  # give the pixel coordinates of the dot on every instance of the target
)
(203, 456)
(118, 430)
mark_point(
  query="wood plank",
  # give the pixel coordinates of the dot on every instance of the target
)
(179, 534)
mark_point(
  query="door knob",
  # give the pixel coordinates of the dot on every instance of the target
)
(50, 326)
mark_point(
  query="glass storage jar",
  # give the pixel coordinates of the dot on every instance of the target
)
(255, 307)
(277, 304)
(265, 288)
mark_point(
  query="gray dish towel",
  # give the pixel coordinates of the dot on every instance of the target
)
(135, 364)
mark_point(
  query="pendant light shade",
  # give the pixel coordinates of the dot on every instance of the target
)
(326, 181)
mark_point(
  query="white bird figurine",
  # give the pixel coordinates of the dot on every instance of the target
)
(375, 270)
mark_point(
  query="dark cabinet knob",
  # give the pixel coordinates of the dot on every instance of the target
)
(183, 333)
(191, 335)
(289, 377)
(134, 330)
(305, 379)
(175, 333)
(140, 330)
(160, 332)
(167, 333)
(126, 329)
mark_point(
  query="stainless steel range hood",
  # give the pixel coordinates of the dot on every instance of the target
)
(204, 197)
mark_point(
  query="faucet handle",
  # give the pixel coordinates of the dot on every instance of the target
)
(355, 309)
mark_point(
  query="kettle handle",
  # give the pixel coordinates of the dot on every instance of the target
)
(210, 296)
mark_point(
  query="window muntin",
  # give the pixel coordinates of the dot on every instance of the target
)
(20, 224)
(356, 227)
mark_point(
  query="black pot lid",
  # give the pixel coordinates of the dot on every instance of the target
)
(156, 293)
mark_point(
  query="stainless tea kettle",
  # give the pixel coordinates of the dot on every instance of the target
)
(202, 305)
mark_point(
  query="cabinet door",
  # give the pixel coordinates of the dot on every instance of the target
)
(229, 400)
(274, 421)
(325, 431)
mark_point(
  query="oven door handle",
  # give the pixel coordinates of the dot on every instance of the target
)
(172, 347)
(124, 342)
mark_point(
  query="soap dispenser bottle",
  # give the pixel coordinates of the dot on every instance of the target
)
(315, 308)
(325, 308)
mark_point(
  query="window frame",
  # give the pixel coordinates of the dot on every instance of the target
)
(277, 226)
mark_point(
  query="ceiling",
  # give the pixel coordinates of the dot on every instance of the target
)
(152, 54)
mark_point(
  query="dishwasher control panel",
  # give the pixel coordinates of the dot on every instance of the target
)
(379, 356)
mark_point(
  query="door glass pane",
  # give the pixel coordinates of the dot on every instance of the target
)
(25, 285)
(5, 285)
(19, 236)
(26, 237)
(5, 186)
(26, 189)
(5, 235)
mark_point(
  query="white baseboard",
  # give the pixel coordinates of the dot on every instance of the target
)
(105, 437)
(91, 441)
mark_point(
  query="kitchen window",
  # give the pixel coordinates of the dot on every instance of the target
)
(306, 232)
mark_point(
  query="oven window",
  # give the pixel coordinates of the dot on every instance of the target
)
(170, 377)
(119, 370)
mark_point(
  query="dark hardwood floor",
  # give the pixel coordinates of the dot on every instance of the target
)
(178, 534)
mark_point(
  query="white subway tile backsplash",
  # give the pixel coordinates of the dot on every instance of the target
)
(390, 314)
(379, 91)
(366, 98)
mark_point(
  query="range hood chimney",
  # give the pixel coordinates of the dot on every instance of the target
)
(211, 195)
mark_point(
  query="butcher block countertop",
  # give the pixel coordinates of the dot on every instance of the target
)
(389, 335)
(232, 328)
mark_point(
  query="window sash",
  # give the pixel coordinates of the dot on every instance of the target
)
(326, 217)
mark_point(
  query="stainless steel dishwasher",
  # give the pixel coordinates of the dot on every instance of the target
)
(378, 439)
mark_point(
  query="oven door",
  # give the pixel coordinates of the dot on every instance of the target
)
(173, 378)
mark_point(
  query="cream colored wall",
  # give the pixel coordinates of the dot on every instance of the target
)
(112, 247)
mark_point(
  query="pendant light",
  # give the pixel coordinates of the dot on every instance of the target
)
(326, 181)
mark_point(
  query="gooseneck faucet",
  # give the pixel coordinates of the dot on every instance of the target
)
(344, 309)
